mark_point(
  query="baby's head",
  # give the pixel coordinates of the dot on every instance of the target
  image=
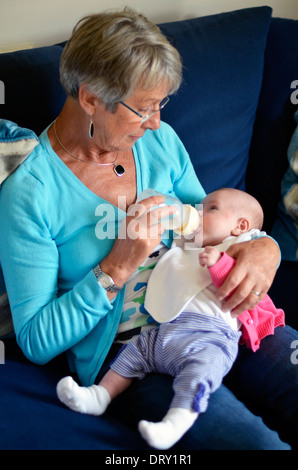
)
(228, 212)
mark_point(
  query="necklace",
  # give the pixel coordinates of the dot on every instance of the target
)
(119, 170)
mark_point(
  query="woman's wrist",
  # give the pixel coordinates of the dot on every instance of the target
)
(118, 273)
(276, 248)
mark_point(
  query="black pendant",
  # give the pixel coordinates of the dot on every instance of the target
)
(119, 170)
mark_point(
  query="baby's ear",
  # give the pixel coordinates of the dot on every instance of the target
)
(242, 227)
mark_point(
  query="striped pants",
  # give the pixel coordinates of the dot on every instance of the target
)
(197, 349)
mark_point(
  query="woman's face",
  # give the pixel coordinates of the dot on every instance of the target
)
(120, 130)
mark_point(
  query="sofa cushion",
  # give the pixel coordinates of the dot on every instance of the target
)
(33, 94)
(274, 124)
(285, 228)
(215, 108)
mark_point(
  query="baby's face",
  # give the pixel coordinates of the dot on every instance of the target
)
(218, 218)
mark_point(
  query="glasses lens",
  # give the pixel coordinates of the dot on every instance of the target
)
(161, 106)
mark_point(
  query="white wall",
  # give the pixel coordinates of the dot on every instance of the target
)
(31, 23)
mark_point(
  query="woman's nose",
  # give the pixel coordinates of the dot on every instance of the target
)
(153, 122)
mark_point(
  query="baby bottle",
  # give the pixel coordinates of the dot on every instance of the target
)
(183, 222)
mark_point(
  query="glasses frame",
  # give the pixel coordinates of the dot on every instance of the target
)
(148, 116)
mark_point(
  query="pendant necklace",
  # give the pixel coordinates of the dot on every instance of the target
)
(119, 170)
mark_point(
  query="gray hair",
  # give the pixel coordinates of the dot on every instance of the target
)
(116, 52)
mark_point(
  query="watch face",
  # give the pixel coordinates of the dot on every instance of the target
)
(105, 281)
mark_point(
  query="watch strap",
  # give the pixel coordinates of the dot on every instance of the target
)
(111, 287)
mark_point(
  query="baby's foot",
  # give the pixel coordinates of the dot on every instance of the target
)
(91, 400)
(158, 435)
(166, 433)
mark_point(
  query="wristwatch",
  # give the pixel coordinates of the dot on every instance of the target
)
(106, 281)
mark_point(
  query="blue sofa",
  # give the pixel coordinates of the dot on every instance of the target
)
(235, 115)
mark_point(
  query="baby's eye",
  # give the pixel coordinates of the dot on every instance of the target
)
(212, 208)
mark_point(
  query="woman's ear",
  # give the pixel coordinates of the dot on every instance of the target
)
(242, 227)
(87, 100)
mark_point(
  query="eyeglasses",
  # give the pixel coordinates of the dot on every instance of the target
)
(148, 116)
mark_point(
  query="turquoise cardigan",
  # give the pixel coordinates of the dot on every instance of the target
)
(54, 230)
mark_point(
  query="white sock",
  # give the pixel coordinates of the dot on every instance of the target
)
(92, 400)
(166, 433)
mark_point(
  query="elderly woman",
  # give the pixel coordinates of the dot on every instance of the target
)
(71, 267)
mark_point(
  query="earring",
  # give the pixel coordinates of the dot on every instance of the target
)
(91, 128)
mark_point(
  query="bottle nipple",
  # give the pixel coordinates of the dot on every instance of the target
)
(184, 221)
(190, 223)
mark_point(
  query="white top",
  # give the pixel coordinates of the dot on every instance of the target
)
(178, 279)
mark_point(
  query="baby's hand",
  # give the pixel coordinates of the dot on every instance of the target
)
(209, 256)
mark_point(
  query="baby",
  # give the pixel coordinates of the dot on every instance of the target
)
(196, 342)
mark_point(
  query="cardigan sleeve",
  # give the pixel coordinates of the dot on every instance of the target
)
(221, 269)
(46, 321)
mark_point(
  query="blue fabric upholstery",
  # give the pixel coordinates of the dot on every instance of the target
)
(32, 418)
(285, 228)
(33, 94)
(214, 111)
(232, 110)
(275, 123)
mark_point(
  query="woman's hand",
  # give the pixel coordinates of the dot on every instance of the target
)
(252, 275)
(139, 234)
